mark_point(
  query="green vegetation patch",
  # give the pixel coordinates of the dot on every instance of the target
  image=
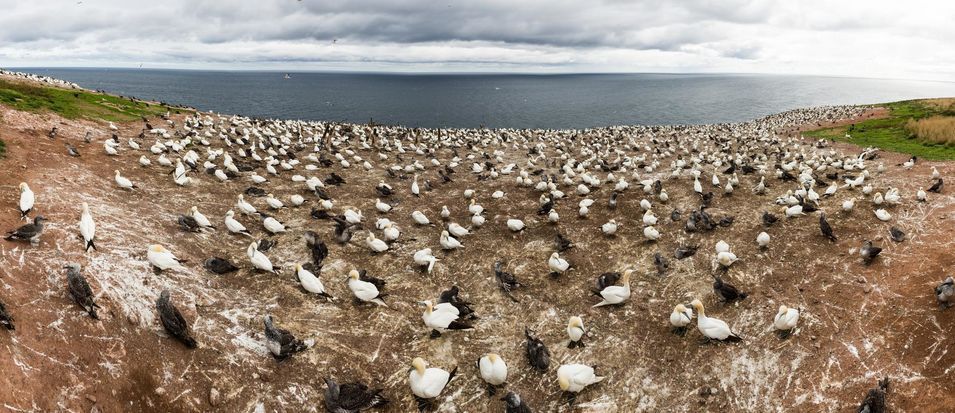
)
(890, 133)
(74, 104)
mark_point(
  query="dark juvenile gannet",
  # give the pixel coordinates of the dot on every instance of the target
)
(452, 297)
(351, 397)
(507, 281)
(80, 290)
(514, 404)
(6, 319)
(826, 228)
(874, 401)
(219, 265)
(727, 292)
(173, 321)
(896, 234)
(281, 342)
(869, 252)
(188, 223)
(945, 293)
(537, 353)
(685, 251)
(28, 232)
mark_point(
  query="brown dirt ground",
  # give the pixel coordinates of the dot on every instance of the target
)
(859, 323)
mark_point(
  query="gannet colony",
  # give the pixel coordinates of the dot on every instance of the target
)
(207, 262)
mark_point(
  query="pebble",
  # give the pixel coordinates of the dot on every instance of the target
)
(867, 289)
(160, 391)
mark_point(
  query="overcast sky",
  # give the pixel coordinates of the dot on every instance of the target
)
(872, 38)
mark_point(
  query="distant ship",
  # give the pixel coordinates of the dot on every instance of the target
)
(287, 76)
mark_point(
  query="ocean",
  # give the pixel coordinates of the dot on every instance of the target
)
(496, 100)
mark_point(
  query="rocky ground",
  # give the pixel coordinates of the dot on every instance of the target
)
(859, 323)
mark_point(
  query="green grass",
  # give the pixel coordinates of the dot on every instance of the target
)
(74, 104)
(890, 134)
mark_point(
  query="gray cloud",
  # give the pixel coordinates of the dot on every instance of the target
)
(607, 35)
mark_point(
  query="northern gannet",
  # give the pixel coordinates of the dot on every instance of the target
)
(785, 320)
(575, 331)
(201, 219)
(122, 182)
(616, 294)
(507, 281)
(233, 225)
(419, 218)
(27, 199)
(945, 293)
(80, 290)
(425, 258)
(87, 228)
(610, 227)
(514, 404)
(259, 260)
(869, 252)
(825, 228)
(537, 353)
(162, 259)
(557, 265)
(443, 316)
(427, 383)
(448, 242)
(310, 282)
(244, 206)
(6, 320)
(680, 318)
(727, 292)
(515, 225)
(882, 214)
(219, 265)
(351, 397)
(273, 226)
(762, 239)
(712, 328)
(280, 342)
(493, 371)
(573, 378)
(172, 320)
(364, 290)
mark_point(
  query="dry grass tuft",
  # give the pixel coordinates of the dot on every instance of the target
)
(935, 129)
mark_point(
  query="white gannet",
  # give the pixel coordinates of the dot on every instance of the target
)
(273, 226)
(793, 211)
(616, 294)
(712, 328)
(381, 206)
(364, 290)
(575, 377)
(273, 202)
(493, 371)
(310, 281)
(680, 318)
(443, 316)
(419, 218)
(162, 259)
(457, 231)
(557, 264)
(848, 204)
(515, 225)
(244, 206)
(123, 182)
(259, 260)
(87, 228)
(445, 212)
(762, 239)
(427, 383)
(785, 320)
(882, 214)
(610, 227)
(391, 232)
(233, 225)
(477, 220)
(424, 258)
(27, 199)
(296, 199)
(414, 186)
(374, 244)
(651, 233)
(575, 331)
(448, 242)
